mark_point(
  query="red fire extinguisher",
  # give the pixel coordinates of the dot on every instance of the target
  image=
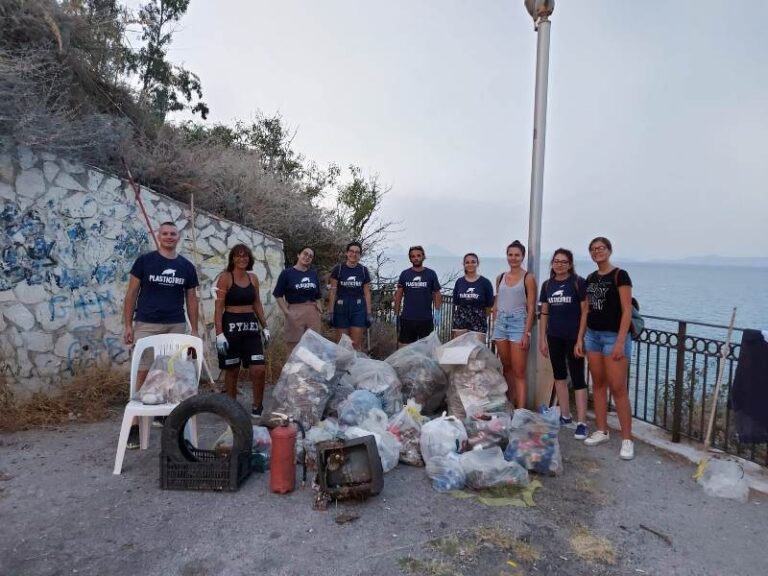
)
(282, 468)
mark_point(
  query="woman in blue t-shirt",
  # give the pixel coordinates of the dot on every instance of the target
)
(297, 293)
(604, 337)
(472, 300)
(349, 296)
(563, 302)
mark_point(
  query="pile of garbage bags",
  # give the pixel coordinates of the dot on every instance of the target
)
(338, 393)
(476, 383)
(533, 441)
(309, 378)
(420, 374)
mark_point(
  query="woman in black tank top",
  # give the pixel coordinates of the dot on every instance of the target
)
(241, 325)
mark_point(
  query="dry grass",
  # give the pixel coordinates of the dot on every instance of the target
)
(414, 566)
(506, 541)
(455, 548)
(592, 548)
(91, 395)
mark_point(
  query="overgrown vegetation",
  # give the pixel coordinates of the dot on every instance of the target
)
(91, 80)
(91, 395)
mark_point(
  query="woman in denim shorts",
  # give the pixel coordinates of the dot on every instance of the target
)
(513, 313)
(604, 337)
(349, 297)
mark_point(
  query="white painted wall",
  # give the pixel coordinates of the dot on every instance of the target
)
(69, 235)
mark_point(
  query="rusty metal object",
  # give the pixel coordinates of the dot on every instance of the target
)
(349, 469)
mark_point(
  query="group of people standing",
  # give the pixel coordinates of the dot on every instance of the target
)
(579, 317)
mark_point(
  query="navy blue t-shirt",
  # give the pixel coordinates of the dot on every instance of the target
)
(564, 298)
(350, 281)
(297, 286)
(477, 294)
(417, 292)
(164, 284)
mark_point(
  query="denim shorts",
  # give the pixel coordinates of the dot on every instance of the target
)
(350, 313)
(603, 342)
(510, 326)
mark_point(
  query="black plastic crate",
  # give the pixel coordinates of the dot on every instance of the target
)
(212, 471)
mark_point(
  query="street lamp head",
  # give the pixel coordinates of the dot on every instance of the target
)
(540, 9)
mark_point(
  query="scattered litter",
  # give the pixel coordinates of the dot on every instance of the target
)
(664, 537)
(723, 478)
(345, 518)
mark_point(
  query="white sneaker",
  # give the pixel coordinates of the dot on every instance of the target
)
(597, 437)
(627, 451)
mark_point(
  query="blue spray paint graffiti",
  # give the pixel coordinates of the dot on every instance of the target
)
(25, 253)
(86, 305)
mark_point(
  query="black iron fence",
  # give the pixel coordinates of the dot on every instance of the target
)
(672, 375)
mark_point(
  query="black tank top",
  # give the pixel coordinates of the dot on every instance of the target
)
(239, 295)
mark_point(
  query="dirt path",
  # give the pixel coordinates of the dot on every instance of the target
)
(62, 512)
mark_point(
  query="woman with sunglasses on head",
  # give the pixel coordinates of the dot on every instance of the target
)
(349, 296)
(241, 324)
(563, 303)
(513, 311)
(472, 299)
(297, 292)
(604, 337)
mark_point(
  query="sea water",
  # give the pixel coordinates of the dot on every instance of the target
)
(695, 293)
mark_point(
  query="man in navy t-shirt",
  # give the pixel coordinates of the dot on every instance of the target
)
(159, 284)
(421, 289)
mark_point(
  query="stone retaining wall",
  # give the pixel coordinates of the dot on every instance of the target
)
(69, 235)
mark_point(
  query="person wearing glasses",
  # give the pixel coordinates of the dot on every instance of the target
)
(563, 302)
(472, 299)
(604, 337)
(349, 296)
(420, 288)
(240, 325)
(297, 293)
(513, 312)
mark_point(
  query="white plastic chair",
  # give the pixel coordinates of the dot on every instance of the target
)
(162, 345)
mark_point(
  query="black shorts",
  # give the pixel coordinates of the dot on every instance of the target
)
(412, 330)
(243, 334)
(564, 361)
(470, 318)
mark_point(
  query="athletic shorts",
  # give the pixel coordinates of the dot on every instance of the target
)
(470, 318)
(564, 361)
(412, 330)
(243, 334)
(510, 326)
(144, 329)
(299, 319)
(350, 313)
(603, 342)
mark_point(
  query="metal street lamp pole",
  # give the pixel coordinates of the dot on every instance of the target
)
(540, 10)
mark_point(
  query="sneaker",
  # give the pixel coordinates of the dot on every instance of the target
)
(134, 442)
(597, 437)
(566, 421)
(581, 431)
(627, 451)
(159, 421)
(256, 411)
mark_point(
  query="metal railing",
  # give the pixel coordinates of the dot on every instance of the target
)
(672, 375)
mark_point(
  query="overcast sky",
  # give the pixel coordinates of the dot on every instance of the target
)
(657, 117)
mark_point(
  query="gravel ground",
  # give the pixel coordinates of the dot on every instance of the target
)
(63, 512)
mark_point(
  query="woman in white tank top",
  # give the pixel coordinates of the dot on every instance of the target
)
(513, 314)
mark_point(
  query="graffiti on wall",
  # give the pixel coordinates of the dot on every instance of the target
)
(25, 251)
(64, 252)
